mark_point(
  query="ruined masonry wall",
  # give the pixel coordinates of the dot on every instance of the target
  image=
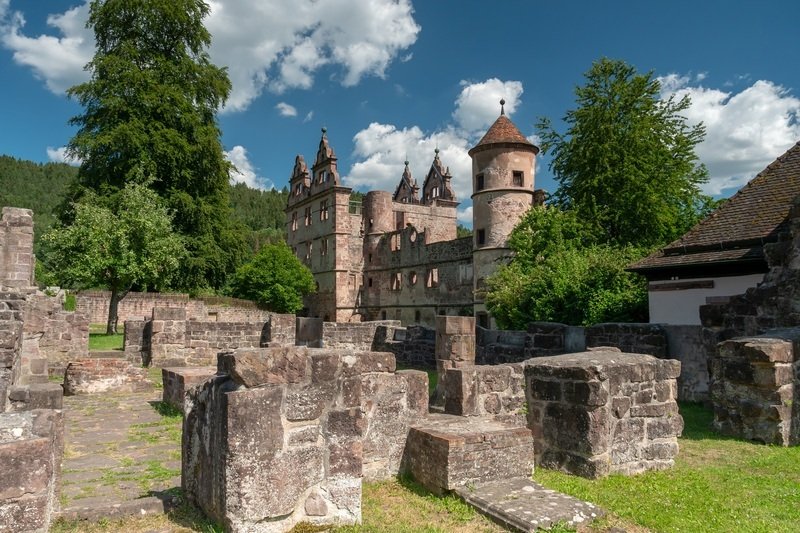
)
(284, 435)
(16, 249)
(11, 315)
(62, 336)
(754, 388)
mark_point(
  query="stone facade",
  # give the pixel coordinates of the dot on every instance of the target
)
(754, 388)
(603, 412)
(396, 256)
(286, 434)
(632, 338)
(61, 336)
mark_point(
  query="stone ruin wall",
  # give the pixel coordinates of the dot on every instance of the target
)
(16, 249)
(139, 306)
(284, 435)
(170, 339)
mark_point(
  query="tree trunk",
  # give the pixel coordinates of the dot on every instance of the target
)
(116, 296)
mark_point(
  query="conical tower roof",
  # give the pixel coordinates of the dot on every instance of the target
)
(503, 131)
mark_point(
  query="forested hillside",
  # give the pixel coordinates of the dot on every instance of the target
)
(41, 187)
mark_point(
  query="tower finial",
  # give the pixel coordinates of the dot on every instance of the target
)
(502, 108)
(324, 130)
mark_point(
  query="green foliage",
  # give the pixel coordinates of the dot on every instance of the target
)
(116, 242)
(274, 278)
(561, 274)
(149, 110)
(463, 231)
(626, 164)
(40, 187)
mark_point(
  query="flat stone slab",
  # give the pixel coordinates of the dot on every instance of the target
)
(523, 505)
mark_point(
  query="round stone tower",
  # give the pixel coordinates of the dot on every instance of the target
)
(503, 165)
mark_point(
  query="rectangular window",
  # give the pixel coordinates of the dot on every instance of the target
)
(323, 210)
(369, 282)
(309, 248)
(397, 281)
(479, 182)
(323, 248)
(432, 278)
(481, 237)
(518, 176)
(294, 221)
(308, 216)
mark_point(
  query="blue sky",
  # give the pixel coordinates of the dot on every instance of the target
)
(392, 79)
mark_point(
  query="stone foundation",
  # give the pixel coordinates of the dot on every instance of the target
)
(497, 390)
(754, 388)
(31, 447)
(285, 434)
(92, 376)
(603, 412)
(178, 380)
(447, 452)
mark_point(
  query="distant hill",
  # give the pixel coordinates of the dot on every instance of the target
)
(41, 187)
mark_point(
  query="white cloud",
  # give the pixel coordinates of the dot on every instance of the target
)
(276, 44)
(464, 216)
(245, 172)
(745, 131)
(286, 110)
(478, 105)
(59, 61)
(309, 116)
(59, 155)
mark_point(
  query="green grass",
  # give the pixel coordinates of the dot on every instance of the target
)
(717, 484)
(98, 340)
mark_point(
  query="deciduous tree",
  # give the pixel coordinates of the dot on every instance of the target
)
(626, 164)
(116, 242)
(150, 109)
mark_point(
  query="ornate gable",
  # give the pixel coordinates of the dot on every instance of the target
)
(437, 183)
(407, 190)
(325, 169)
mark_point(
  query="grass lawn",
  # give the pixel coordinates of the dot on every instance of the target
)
(717, 484)
(98, 340)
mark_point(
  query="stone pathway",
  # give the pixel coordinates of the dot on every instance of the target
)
(521, 504)
(122, 456)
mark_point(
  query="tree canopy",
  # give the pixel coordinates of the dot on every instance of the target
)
(561, 273)
(116, 242)
(274, 278)
(150, 110)
(626, 164)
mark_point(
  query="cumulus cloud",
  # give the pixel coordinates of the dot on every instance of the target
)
(478, 104)
(464, 216)
(60, 155)
(58, 61)
(276, 44)
(381, 149)
(245, 172)
(286, 110)
(745, 131)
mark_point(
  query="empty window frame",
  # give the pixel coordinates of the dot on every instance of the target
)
(479, 184)
(397, 281)
(323, 210)
(432, 279)
(480, 237)
(308, 216)
(518, 178)
(294, 221)
(323, 247)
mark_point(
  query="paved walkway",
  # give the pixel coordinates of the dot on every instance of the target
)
(122, 456)
(523, 505)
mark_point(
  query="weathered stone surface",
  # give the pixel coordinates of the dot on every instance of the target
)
(93, 376)
(261, 366)
(446, 452)
(36, 396)
(177, 380)
(603, 411)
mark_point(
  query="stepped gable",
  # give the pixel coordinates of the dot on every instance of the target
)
(503, 131)
(737, 231)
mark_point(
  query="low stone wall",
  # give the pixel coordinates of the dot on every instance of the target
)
(170, 339)
(31, 448)
(353, 335)
(603, 412)
(412, 346)
(693, 346)
(309, 332)
(178, 380)
(285, 435)
(754, 388)
(491, 390)
(92, 376)
(631, 338)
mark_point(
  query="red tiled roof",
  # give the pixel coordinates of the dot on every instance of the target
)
(754, 216)
(503, 131)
